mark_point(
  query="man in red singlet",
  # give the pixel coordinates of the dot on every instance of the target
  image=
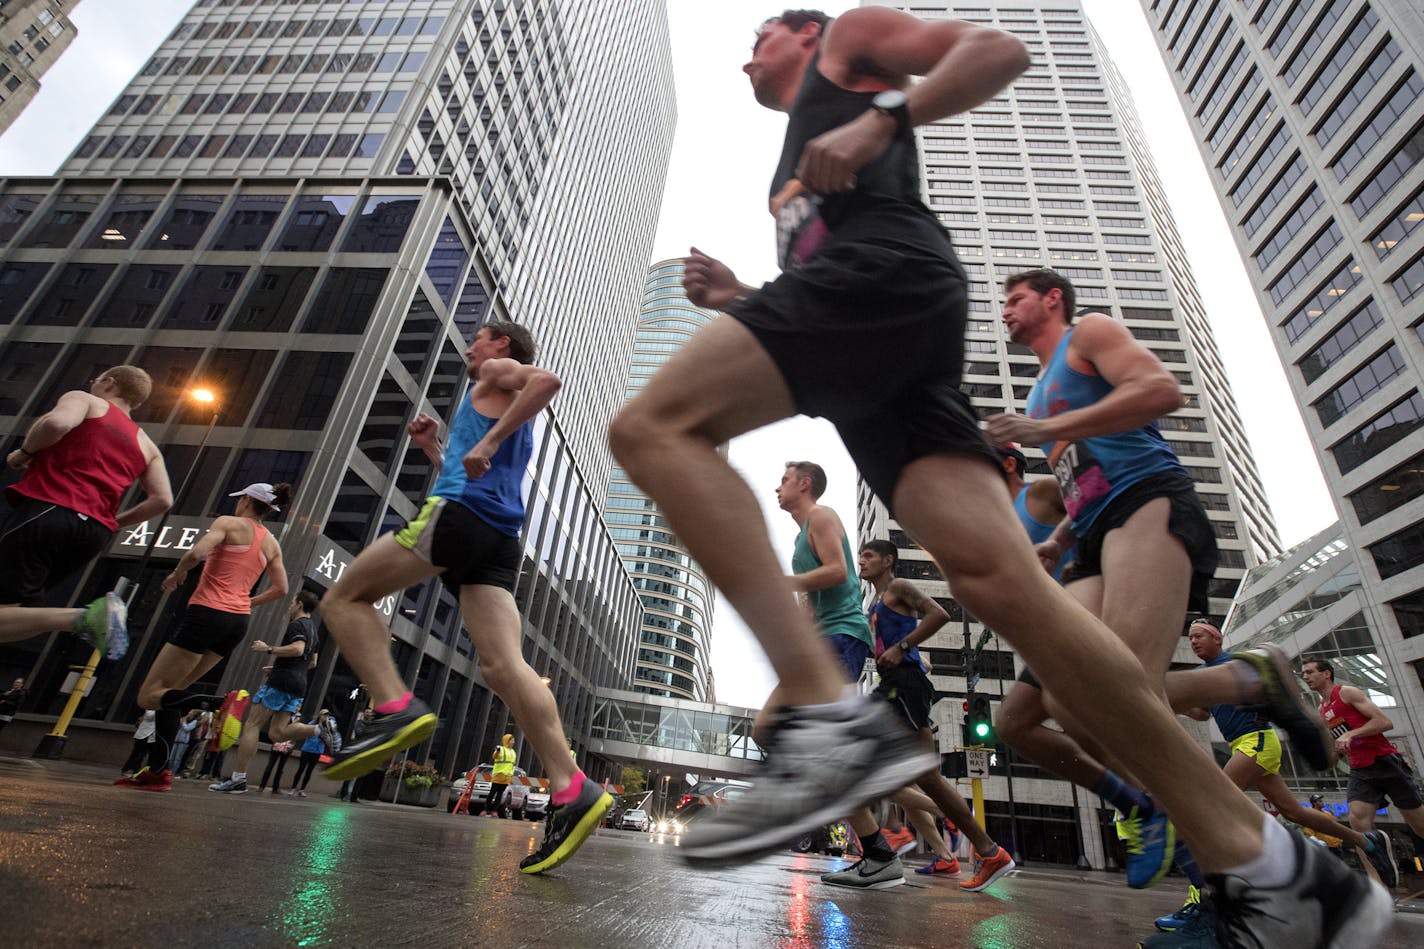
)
(1378, 772)
(78, 458)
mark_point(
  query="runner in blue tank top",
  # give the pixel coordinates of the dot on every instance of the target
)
(467, 533)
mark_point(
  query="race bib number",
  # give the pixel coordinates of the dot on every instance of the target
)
(800, 229)
(1080, 477)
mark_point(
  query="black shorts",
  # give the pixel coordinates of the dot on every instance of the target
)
(40, 545)
(909, 692)
(869, 334)
(1388, 778)
(1187, 521)
(205, 629)
(448, 535)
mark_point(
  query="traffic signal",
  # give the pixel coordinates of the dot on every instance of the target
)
(979, 721)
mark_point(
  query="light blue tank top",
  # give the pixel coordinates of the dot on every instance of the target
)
(495, 498)
(1038, 531)
(1092, 471)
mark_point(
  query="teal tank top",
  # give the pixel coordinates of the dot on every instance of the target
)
(838, 607)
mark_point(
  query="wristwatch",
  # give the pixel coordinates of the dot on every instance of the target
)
(892, 102)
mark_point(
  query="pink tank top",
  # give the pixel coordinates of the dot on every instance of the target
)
(229, 574)
(87, 470)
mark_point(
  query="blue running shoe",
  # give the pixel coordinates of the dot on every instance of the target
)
(1198, 931)
(1189, 911)
(1151, 843)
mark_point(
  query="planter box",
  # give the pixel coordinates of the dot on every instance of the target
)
(421, 797)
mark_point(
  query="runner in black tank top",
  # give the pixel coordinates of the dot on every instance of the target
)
(881, 288)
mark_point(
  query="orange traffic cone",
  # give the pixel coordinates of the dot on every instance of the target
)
(462, 806)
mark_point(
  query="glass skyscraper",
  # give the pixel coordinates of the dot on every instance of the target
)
(311, 207)
(674, 648)
(1310, 117)
(1055, 173)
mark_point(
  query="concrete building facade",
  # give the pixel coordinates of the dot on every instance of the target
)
(1310, 119)
(33, 34)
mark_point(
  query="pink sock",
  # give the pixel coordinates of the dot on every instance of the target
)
(570, 793)
(395, 705)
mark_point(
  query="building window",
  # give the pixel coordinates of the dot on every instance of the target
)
(1405, 159)
(1339, 57)
(1308, 259)
(1391, 490)
(1287, 230)
(1409, 614)
(1408, 92)
(1259, 166)
(1399, 552)
(1410, 280)
(1397, 422)
(1324, 299)
(1359, 325)
(1366, 381)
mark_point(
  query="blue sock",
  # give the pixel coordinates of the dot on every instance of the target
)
(1188, 865)
(1124, 796)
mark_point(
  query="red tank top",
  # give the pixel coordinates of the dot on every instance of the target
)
(1340, 716)
(88, 470)
(229, 573)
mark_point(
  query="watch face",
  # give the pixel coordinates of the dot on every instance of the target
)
(889, 99)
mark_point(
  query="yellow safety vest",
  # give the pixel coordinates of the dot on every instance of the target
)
(503, 765)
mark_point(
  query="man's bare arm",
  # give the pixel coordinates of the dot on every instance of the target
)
(536, 388)
(158, 493)
(1143, 389)
(825, 534)
(1378, 723)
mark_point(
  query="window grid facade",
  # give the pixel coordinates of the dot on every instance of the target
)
(1336, 284)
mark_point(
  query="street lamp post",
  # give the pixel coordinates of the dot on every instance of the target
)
(51, 746)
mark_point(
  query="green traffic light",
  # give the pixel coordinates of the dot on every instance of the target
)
(981, 729)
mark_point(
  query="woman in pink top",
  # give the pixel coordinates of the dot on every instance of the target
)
(237, 550)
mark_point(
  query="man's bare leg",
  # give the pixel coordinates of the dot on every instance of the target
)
(257, 718)
(957, 508)
(720, 385)
(349, 611)
(924, 824)
(492, 618)
(1020, 723)
(23, 622)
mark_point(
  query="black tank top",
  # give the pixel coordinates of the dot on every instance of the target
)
(805, 221)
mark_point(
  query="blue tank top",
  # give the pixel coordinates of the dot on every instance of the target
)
(1038, 531)
(495, 498)
(1235, 720)
(891, 626)
(1092, 471)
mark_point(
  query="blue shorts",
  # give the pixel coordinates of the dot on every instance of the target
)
(277, 700)
(851, 652)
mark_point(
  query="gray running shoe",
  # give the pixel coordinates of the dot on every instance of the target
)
(1382, 858)
(868, 874)
(1284, 704)
(1325, 904)
(327, 734)
(230, 786)
(104, 626)
(821, 770)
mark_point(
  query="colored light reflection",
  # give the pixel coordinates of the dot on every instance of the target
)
(308, 913)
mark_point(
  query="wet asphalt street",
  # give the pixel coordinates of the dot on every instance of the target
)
(86, 864)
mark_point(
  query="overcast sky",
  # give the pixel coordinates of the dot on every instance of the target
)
(724, 153)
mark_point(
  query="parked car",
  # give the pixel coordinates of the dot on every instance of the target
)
(693, 804)
(514, 799)
(536, 804)
(635, 819)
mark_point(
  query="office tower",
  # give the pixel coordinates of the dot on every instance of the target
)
(674, 648)
(312, 207)
(1055, 172)
(33, 34)
(1310, 119)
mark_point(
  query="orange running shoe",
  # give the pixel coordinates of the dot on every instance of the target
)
(987, 870)
(901, 840)
(940, 865)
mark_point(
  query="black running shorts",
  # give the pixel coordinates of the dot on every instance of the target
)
(448, 535)
(1187, 521)
(40, 545)
(909, 692)
(869, 334)
(205, 629)
(1390, 778)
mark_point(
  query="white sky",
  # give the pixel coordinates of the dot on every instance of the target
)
(724, 153)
